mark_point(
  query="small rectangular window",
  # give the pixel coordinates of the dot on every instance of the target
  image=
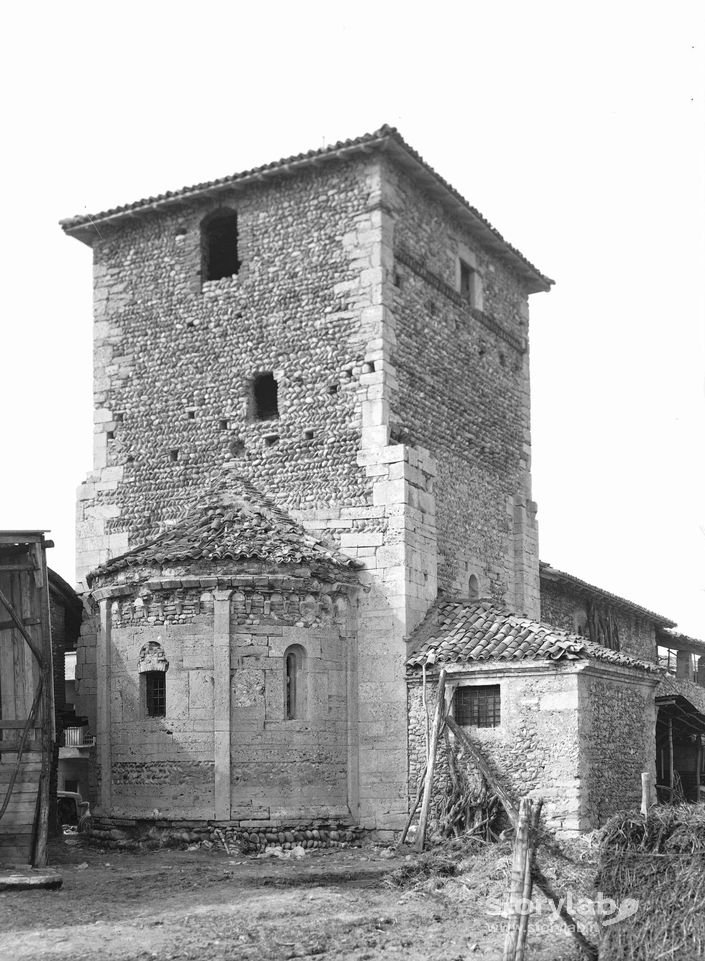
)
(470, 283)
(155, 693)
(265, 397)
(219, 245)
(478, 706)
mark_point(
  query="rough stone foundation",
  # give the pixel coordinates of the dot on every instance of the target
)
(142, 834)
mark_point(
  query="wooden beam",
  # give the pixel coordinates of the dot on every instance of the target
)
(478, 760)
(14, 746)
(17, 620)
(28, 622)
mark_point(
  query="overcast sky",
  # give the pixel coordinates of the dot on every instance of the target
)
(578, 130)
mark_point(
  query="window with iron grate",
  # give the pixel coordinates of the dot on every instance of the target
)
(478, 706)
(155, 693)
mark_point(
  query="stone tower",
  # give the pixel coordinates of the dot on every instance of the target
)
(343, 329)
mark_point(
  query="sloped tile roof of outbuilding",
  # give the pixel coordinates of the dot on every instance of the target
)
(386, 138)
(233, 521)
(671, 686)
(457, 632)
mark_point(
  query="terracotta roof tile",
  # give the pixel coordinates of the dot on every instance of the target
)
(233, 521)
(671, 686)
(463, 632)
(386, 138)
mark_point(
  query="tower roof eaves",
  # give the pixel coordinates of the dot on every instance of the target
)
(85, 227)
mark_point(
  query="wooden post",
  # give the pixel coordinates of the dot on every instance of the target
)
(670, 754)
(428, 785)
(528, 879)
(521, 884)
(646, 793)
(520, 868)
(47, 707)
(698, 765)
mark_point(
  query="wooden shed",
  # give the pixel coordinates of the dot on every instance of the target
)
(26, 698)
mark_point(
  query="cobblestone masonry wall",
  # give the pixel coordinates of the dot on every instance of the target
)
(536, 747)
(618, 742)
(462, 391)
(174, 364)
(355, 451)
(278, 768)
(559, 606)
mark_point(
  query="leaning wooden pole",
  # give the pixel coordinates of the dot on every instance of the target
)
(587, 948)
(438, 719)
(484, 769)
(414, 806)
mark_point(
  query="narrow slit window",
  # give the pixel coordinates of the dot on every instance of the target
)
(155, 693)
(478, 706)
(219, 245)
(291, 685)
(293, 689)
(265, 397)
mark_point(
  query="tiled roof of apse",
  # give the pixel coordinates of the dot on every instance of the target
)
(233, 521)
(86, 227)
(459, 632)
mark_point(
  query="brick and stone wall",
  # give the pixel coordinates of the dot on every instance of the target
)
(578, 735)
(535, 749)
(175, 359)
(462, 391)
(403, 428)
(617, 740)
(567, 609)
(225, 748)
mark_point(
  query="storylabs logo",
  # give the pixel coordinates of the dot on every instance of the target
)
(605, 910)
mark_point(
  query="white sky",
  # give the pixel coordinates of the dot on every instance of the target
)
(578, 130)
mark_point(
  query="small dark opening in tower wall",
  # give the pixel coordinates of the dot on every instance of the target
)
(466, 273)
(219, 245)
(264, 393)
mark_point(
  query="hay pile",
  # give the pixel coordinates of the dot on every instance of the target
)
(659, 863)
(455, 869)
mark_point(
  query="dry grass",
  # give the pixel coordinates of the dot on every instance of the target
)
(659, 862)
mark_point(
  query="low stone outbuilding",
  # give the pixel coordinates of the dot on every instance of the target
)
(559, 716)
(223, 664)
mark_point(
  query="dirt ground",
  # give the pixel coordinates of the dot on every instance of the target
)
(206, 905)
